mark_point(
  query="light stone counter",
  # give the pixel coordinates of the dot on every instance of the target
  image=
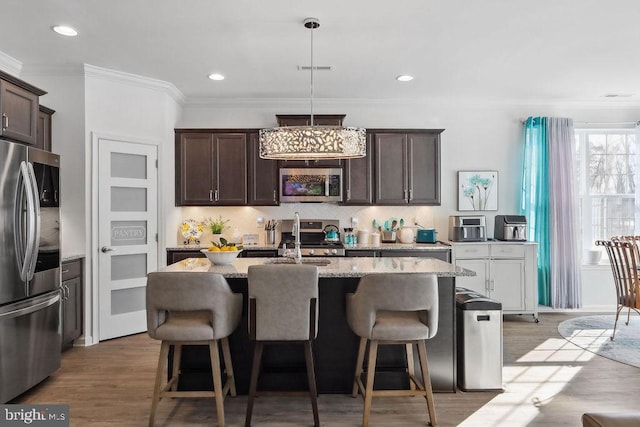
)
(338, 266)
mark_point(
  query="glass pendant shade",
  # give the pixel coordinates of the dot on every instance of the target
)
(313, 143)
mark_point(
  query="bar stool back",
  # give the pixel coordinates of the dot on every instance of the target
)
(283, 307)
(394, 309)
(189, 308)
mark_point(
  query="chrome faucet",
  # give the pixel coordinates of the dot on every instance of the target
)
(297, 252)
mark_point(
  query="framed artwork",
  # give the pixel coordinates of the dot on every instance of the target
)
(477, 190)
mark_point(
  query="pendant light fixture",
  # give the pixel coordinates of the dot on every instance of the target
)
(312, 142)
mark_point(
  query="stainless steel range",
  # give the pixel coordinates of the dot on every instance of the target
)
(318, 237)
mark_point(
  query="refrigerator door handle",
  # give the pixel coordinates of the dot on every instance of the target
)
(22, 252)
(34, 233)
(46, 302)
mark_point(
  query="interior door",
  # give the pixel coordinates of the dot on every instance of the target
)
(127, 236)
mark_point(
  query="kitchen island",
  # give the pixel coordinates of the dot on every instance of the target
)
(336, 346)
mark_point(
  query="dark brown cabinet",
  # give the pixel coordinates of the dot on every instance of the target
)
(211, 168)
(262, 176)
(175, 256)
(71, 307)
(43, 132)
(358, 178)
(305, 120)
(18, 109)
(407, 167)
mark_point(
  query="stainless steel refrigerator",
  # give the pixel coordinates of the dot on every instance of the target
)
(29, 267)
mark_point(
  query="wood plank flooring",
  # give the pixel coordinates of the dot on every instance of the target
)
(549, 382)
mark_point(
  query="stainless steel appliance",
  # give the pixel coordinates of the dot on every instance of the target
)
(29, 267)
(467, 228)
(310, 185)
(510, 227)
(313, 237)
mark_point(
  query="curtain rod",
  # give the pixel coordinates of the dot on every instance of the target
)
(636, 123)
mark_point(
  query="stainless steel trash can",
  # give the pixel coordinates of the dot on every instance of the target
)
(479, 341)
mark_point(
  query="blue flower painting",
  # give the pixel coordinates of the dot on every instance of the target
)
(478, 191)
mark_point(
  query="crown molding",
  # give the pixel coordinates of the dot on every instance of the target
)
(135, 80)
(10, 65)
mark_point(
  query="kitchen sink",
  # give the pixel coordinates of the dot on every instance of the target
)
(311, 261)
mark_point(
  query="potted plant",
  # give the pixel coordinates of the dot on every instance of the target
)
(217, 226)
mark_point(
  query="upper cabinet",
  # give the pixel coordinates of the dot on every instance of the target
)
(18, 109)
(262, 176)
(358, 178)
(305, 120)
(43, 132)
(211, 168)
(407, 167)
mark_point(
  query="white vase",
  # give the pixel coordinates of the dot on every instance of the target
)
(406, 235)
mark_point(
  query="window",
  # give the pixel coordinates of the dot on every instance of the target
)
(606, 166)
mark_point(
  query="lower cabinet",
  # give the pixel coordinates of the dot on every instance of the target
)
(442, 254)
(71, 307)
(259, 253)
(505, 272)
(175, 256)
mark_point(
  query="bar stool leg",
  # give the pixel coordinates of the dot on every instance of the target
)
(253, 385)
(164, 353)
(359, 362)
(411, 369)
(371, 372)
(426, 379)
(217, 381)
(311, 376)
(228, 366)
(177, 356)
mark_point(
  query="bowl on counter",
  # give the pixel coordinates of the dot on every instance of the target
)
(221, 257)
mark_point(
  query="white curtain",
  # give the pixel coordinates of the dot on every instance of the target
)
(566, 289)
(636, 182)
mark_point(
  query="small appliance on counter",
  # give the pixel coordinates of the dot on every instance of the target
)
(426, 235)
(467, 228)
(510, 227)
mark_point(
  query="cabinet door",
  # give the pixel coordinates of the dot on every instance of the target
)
(175, 256)
(230, 168)
(361, 253)
(262, 176)
(358, 179)
(259, 253)
(424, 168)
(507, 283)
(19, 113)
(390, 169)
(71, 311)
(43, 132)
(194, 169)
(479, 282)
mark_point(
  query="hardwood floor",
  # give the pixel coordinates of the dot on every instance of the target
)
(548, 382)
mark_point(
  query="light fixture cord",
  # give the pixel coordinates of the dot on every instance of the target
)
(312, 29)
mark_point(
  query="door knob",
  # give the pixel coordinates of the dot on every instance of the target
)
(106, 249)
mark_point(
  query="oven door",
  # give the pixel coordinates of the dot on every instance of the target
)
(46, 167)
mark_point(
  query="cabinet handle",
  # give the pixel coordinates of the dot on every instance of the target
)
(411, 194)
(405, 193)
(274, 196)
(493, 285)
(5, 121)
(216, 195)
(65, 271)
(211, 195)
(487, 285)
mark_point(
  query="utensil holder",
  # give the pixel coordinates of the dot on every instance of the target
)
(270, 237)
(389, 236)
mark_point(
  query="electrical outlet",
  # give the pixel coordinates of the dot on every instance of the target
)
(354, 222)
(260, 222)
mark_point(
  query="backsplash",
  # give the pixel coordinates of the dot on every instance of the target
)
(243, 219)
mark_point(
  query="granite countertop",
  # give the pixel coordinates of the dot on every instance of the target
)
(382, 246)
(338, 267)
(73, 257)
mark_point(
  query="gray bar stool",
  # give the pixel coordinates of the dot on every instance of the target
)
(188, 309)
(394, 309)
(283, 307)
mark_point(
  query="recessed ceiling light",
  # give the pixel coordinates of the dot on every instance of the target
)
(216, 76)
(404, 78)
(618, 95)
(65, 30)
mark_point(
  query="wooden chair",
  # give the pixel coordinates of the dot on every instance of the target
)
(187, 309)
(283, 308)
(394, 309)
(625, 260)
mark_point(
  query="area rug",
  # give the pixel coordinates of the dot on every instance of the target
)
(592, 333)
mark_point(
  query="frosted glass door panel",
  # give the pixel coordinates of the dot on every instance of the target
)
(125, 165)
(127, 300)
(128, 233)
(128, 199)
(130, 266)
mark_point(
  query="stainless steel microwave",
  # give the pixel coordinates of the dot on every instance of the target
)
(310, 185)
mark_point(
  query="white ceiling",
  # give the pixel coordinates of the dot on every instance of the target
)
(498, 50)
